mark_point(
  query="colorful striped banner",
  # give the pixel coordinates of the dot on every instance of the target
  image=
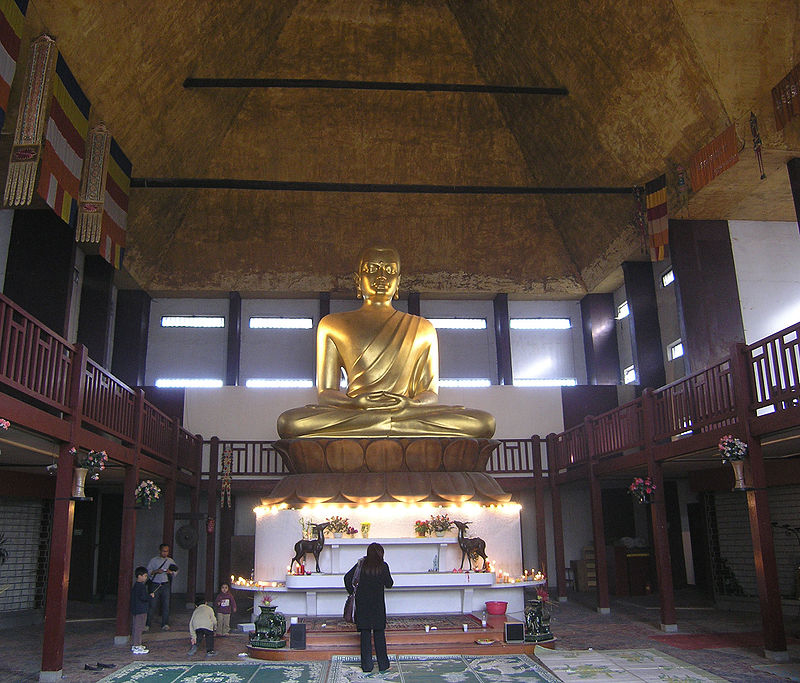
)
(115, 206)
(12, 16)
(657, 220)
(64, 145)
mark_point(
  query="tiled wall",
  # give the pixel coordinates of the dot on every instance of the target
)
(25, 528)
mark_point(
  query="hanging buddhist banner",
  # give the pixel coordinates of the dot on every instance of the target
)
(51, 135)
(657, 220)
(786, 98)
(715, 158)
(93, 185)
(12, 16)
(115, 207)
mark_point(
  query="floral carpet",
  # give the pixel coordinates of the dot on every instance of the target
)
(444, 669)
(633, 666)
(221, 672)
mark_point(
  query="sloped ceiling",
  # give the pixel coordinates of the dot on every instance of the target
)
(649, 84)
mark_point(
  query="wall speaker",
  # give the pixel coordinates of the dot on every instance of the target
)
(514, 633)
(297, 637)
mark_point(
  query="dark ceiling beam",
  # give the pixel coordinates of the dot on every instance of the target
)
(311, 83)
(393, 188)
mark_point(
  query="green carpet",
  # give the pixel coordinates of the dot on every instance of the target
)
(221, 672)
(442, 669)
(585, 666)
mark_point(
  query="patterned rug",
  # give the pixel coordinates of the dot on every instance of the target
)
(442, 622)
(702, 641)
(221, 672)
(620, 665)
(443, 669)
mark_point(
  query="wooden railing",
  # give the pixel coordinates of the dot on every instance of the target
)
(775, 370)
(38, 364)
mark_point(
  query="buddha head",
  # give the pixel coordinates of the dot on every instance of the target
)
(378, 276)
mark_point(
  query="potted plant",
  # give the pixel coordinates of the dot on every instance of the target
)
(87, 465)
(642, 490)
(146, 493)
(440, 523)
(422, 527)
(337, 525)
(351, 531)
(733, 452)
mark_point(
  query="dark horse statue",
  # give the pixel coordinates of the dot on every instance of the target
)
(313, 546)
(473, 548)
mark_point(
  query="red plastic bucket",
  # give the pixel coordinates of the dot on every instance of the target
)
(496, 606)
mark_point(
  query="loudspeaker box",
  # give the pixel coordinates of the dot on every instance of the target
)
(515, 633)
(297, 636)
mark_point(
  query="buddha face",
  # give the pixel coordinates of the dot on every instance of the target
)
(378, 274)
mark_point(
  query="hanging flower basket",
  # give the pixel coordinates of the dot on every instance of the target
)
(146, 493)
(642, 490)
(93, 462)
(733, 452)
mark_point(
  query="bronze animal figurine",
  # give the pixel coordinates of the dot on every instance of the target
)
(313, 546)
(473, 548)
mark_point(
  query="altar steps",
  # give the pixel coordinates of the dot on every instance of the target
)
(322, 644)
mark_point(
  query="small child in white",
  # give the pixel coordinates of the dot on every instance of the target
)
(202, 624)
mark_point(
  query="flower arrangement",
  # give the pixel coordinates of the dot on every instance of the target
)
(365, 529)
(306, 527)
(542, 593)
(337, 525)
(146, 492)
(732, 449)
(351, 531)
(422, 527)
(266, 601)
(94, 461)
(4, 424)
(641, 489)
(440, 523)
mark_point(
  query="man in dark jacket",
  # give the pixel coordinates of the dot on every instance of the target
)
(373, 577)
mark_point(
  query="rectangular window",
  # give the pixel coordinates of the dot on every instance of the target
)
(192, 321)
(261, 383)
(623, 311)
(273, 323)
(465, 382)
(668, 278)
(173, 383)
(458, 323)
(562, 382)
(629, 375)
(675, 350)
(540, 323)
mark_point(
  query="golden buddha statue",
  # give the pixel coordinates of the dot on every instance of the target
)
(391, 360)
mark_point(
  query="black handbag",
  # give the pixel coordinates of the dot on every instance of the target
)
(349, 613)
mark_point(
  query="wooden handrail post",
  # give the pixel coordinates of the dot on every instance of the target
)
(598, 526)
(758, 513)
(558, 523)
(128, 532)
(211, 490)
(658, 519)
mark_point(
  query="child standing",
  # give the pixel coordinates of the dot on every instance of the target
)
(140, 606)
(226, 605)
(202, 624)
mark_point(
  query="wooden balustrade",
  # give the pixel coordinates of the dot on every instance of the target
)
(774, 364)
(108, 403)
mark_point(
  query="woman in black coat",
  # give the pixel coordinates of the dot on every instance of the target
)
(370, 605)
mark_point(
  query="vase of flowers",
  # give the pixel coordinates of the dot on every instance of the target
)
(337, 525)
(733, 451)
(642, 490)
(146, 493)
(351, 531)
(365, 529)
(86, 465)
(422, 527)
(440, 523)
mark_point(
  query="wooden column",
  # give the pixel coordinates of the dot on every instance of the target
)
(758, 512)
(131, 329)
(194, 507)
(793, 167)
(128, 535)
(234, 346)
(55, 611)
(94, 319)
(600, 339)
(658, 519)
(648, 355)
(211, 508)
(413, 303)
(558, 525)
(502, 334)
(539, 488)
(598, 527)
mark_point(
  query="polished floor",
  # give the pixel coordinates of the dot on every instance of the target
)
(633, 623)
